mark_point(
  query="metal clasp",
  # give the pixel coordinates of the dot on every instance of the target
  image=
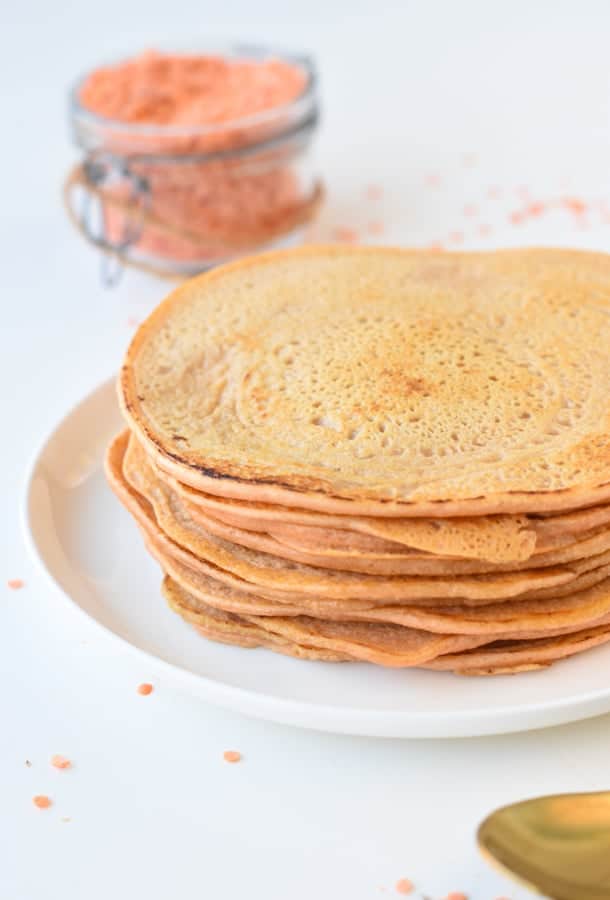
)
(101, 171)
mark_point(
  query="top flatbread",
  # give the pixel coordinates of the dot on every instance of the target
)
(383, 382)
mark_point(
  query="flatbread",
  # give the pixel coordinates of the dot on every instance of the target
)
(492, 538)
(274, 573)
(499, 538)
(513, 619)
(385, 645)
(163, 548)
(383, 382)
(514, 657)
(383, 563)
(310, 639)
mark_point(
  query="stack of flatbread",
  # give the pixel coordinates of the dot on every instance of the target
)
(381, 455)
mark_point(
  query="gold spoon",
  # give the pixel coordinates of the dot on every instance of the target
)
(558, 846)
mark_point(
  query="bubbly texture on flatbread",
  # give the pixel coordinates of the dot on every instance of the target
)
(392, 381)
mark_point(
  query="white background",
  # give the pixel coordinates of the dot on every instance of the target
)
(446, 105)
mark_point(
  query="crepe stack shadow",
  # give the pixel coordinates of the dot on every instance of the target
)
(390, 456)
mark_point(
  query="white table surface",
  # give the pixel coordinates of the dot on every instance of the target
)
(447, 106)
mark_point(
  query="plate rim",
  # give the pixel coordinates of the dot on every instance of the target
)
(363, 722)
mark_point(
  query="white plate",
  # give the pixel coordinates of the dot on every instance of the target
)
(93, 552)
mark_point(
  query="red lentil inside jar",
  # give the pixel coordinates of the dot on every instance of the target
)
(198, 158)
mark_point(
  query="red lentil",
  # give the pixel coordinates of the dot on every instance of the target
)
(231, 756)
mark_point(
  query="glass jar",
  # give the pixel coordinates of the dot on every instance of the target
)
(179, 199)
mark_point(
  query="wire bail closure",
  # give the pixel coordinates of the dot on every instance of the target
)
(101, 170)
